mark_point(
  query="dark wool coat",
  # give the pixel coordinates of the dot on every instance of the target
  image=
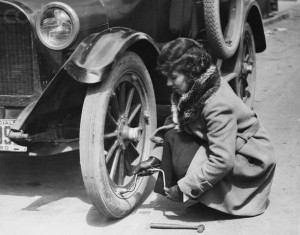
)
(232, 170)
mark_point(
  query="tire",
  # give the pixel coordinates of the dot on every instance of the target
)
(224, 44)
(246, 81)
(117, 120)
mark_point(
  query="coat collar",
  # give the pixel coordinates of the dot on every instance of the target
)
(186, 107)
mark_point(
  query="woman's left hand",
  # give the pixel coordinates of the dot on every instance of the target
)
(174, 193)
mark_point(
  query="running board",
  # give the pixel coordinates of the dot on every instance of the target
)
(228, 77)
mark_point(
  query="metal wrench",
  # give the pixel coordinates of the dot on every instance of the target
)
(125, 190)
(152, 170)
(200, 228)
(163, 175)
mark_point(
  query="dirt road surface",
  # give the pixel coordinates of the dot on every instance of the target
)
(47, 195)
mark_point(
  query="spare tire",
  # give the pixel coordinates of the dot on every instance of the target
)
(224, 44)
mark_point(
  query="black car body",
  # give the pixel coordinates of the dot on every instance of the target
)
(51, 53)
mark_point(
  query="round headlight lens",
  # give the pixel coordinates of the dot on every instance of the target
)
(57, 26)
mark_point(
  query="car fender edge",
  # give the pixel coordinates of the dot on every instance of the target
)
(94, 56)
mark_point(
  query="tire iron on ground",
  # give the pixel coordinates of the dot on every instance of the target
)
(200, 228)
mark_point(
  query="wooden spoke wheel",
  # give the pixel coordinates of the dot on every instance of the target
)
(118, 118)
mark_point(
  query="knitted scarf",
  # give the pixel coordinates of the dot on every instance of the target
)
(187, 106)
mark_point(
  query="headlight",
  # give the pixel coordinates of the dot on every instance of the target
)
(57, 26)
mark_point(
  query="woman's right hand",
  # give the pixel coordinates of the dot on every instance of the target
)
(142, 169)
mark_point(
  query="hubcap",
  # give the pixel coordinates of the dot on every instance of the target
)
(127, 134)
(245, 81)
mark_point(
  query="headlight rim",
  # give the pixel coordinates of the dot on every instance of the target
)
(74, 18)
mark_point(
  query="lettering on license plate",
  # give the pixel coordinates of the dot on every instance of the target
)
(5, 143)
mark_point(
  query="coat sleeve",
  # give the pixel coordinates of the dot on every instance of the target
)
(221, 127)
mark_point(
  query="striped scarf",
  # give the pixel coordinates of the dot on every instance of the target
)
(188, 106)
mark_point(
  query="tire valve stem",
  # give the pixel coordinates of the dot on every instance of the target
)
(134, 78)
(146, 117)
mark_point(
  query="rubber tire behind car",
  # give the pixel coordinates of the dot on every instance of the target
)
(224, 44)
(99, 185)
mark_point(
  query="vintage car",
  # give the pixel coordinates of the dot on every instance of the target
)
(82, 75)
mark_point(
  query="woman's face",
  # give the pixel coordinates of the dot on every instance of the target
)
(179, 83)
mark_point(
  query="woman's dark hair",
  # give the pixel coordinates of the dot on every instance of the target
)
(185, 56)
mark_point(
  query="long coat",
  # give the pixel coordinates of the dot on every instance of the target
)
(232, 170)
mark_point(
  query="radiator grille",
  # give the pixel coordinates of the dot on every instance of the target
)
(16, 65)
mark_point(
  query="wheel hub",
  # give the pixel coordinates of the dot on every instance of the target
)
(126, 133)
(131, 134)
(247, 67)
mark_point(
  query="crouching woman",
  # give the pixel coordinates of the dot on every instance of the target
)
(216, 150)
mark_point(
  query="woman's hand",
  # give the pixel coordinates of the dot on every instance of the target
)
(142, 168)
(158, 135)
(174, 193)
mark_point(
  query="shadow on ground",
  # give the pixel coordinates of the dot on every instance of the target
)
(191, 211)
(56, 177)
(51, 178)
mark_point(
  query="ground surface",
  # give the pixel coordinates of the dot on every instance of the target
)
(47, 196)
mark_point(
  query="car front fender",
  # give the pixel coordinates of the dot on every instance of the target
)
(94, 56)
(89, 64)
(254, 18)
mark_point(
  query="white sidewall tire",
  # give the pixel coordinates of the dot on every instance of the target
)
(223, 45)
(92, 158)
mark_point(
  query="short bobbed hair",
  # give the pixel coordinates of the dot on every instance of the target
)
(185, 56)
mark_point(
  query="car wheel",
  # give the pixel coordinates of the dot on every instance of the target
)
(117, 120)
(224, 40)
(246, 81)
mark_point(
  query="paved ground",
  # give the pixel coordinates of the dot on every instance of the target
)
(287, 4)
(47, 196)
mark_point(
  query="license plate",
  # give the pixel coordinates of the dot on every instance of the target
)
(5, 143)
